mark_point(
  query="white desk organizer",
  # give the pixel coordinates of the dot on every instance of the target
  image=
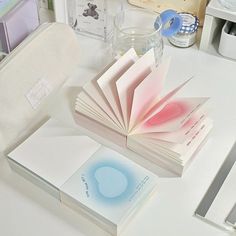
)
(215, 18)
(227, 45)
(219, 200)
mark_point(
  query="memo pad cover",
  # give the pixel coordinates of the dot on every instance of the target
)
(29, 76)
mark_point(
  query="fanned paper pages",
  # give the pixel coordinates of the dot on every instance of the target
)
(124, 104)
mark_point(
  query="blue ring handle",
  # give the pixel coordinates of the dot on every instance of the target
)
(167, 17)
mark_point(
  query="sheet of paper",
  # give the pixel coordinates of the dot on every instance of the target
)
(107, 82)
(173, 115)
(94, 90)
(147, 92)
(87, 100)
(89, 113)
(54, 157)
(176, 151)
(160, 104)
(181, 135)
(93, 186)
(85, 110)
(131, 79)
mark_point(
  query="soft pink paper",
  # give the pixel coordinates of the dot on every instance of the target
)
(177, 151)
(147, 92)
(160, 104)
(181, 135)
(107, 82)
(131, 79)
(173, 115)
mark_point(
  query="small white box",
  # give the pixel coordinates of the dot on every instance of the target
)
(227, 46)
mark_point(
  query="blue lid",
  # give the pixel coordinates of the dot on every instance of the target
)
(190, 23)
(171, 23)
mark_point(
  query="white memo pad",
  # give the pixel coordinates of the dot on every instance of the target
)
(54, 152)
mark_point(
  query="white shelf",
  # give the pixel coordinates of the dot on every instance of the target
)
(215, 17)
(215, 9)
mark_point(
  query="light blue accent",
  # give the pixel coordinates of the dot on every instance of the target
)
(111, 182)
(6, 6)
(3, 3)
(172, 18)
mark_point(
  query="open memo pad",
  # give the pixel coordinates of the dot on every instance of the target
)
(124, 104)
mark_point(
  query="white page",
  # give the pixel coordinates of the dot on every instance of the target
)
(54, 157)
(85, 110)
(81, 106)
(83, 100)
(107, 82)
(173, 116)
(147, 92)
(93, 90)
(130, 80)
(87, 100)
(89, 112)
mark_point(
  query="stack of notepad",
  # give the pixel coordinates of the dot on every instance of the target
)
(109, 189)
(123, 104)
(101, 184)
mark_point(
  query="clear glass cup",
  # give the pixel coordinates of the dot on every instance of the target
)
(134, 28)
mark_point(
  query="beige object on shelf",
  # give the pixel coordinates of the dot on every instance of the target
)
(196, 7)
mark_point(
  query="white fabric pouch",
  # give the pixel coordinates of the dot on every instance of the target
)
(29, 77)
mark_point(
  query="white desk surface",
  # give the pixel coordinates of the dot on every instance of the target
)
(26, 210)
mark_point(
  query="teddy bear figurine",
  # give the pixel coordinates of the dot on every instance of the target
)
(91, 11)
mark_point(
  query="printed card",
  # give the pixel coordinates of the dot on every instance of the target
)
(110, 185)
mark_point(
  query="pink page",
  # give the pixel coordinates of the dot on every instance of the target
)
(131, 79)
(173, 115)
(147, 92)
(160, 104)
(107, 82)
(180, 135)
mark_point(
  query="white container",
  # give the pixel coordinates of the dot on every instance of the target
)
(227, 46)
